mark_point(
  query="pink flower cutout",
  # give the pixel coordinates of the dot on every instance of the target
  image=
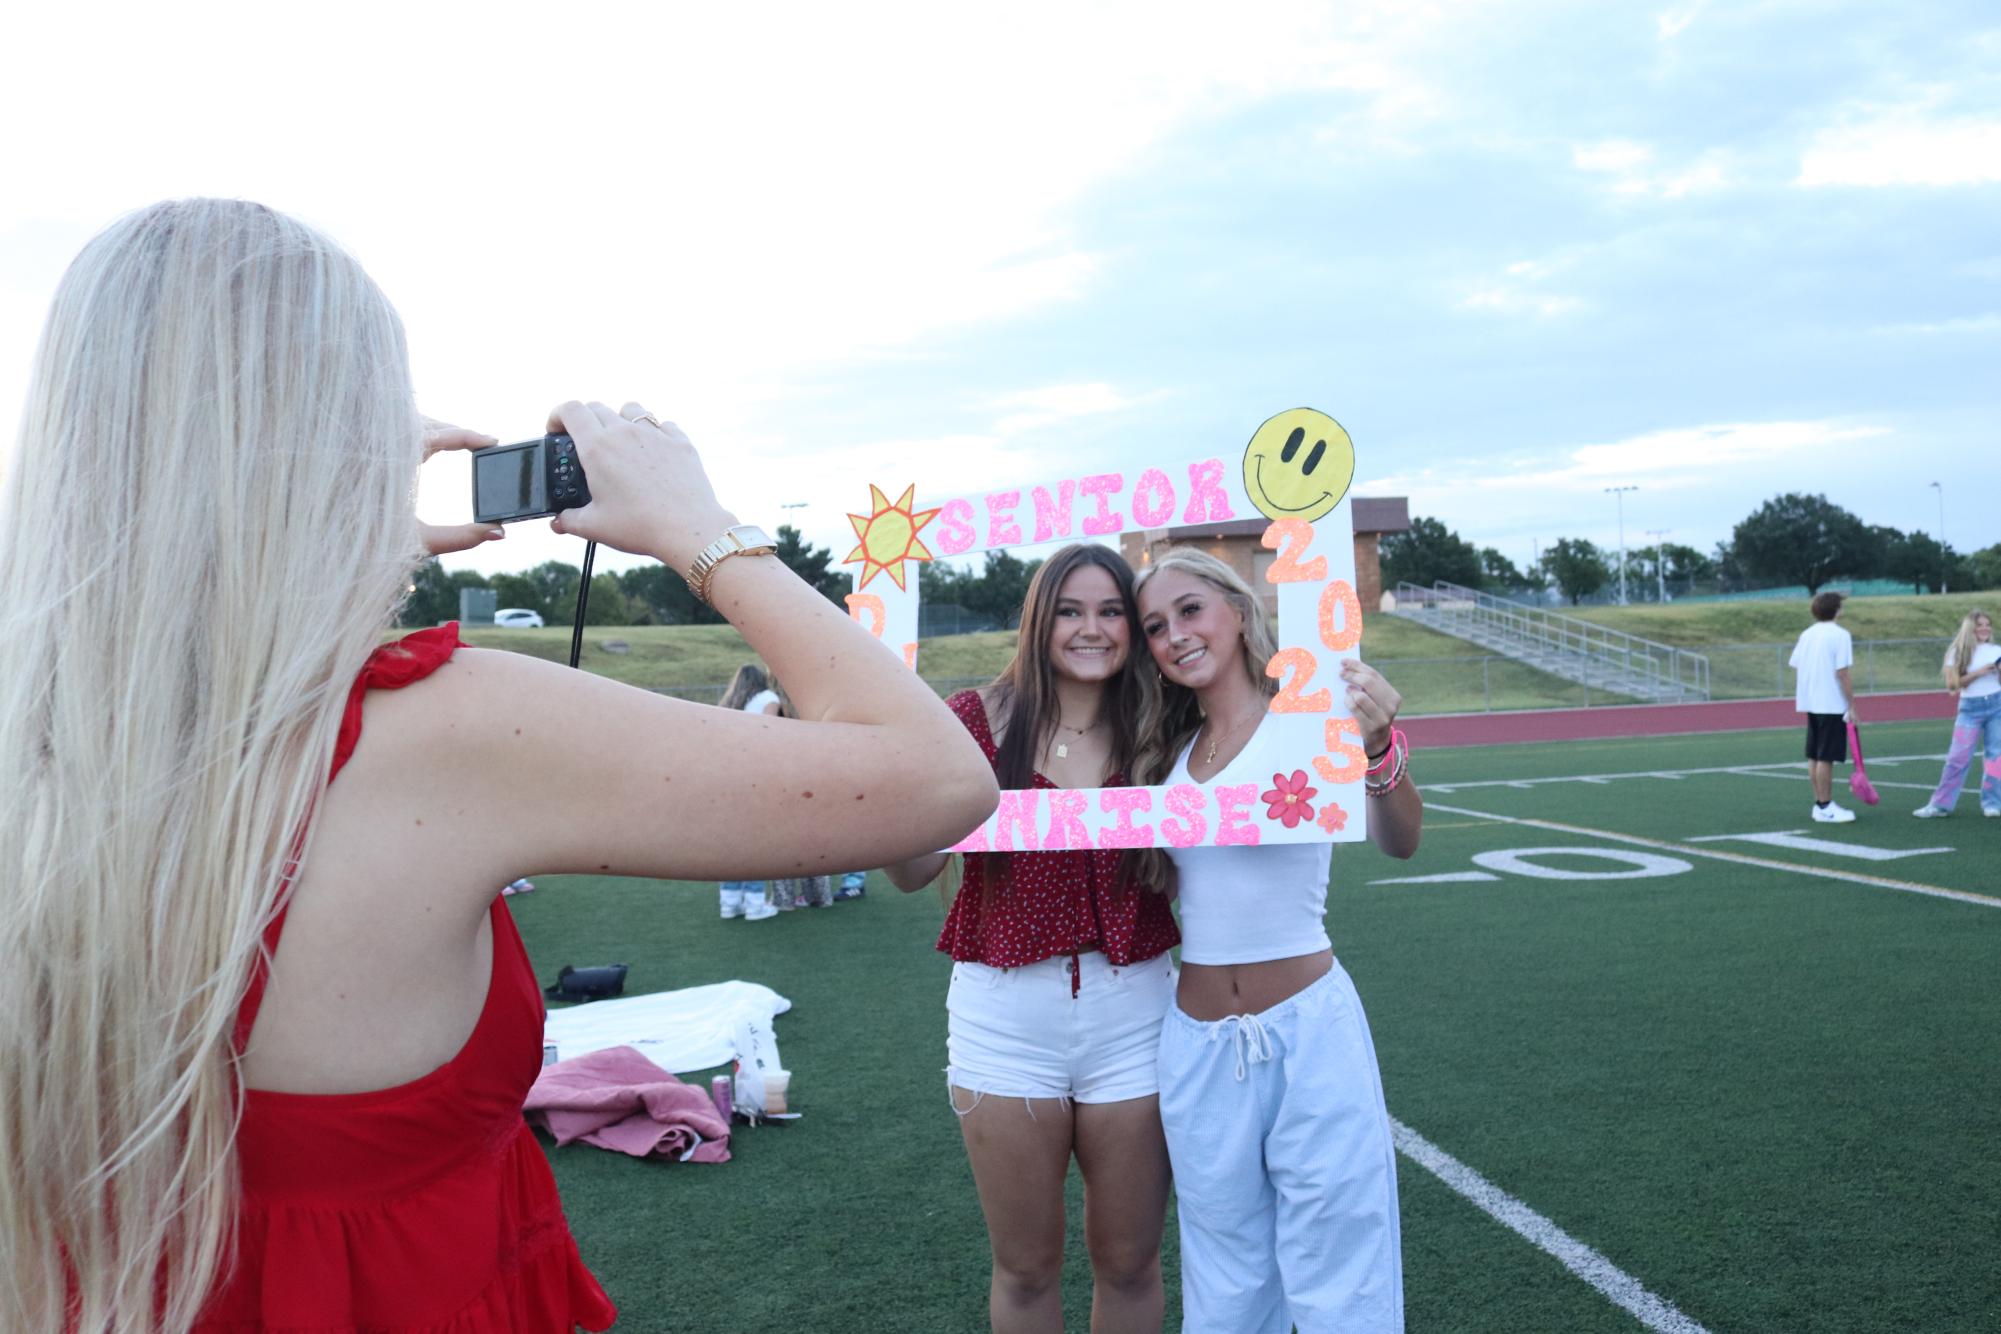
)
(1332, 818)
(1288, 799)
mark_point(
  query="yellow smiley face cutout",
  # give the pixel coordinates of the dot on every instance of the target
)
(1298, 465)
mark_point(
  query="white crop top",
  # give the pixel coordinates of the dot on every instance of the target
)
(1983, 654)
(1248, 905)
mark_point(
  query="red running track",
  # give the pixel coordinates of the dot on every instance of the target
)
(1632, 720)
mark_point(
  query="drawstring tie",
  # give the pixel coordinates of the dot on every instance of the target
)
(1076, 975)
(1252, 1039)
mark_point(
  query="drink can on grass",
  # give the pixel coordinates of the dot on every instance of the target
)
(724, 1095)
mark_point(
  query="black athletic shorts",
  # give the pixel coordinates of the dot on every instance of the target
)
(1827, 737)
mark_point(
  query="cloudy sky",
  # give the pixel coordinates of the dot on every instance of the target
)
(1523, 251)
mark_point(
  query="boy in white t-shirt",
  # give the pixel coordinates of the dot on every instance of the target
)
(1822, 658)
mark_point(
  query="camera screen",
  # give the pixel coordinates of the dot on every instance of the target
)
(509, 481)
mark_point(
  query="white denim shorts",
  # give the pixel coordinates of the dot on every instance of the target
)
(1077, 1028)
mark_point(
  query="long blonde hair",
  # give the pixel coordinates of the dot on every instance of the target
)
(1959, 653)
(1178, 716)
(207, 525)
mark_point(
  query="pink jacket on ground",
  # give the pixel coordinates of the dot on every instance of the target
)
(617, 1099)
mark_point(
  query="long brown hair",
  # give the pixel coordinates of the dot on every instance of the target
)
(748, 683)
(1024, 694)
(1023, 699)
(1177, 715)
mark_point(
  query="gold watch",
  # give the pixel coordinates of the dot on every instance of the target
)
(746, 539)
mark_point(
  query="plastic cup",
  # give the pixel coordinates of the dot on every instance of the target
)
(777, 1084)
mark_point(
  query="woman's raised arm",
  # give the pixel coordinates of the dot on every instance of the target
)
(556, 770)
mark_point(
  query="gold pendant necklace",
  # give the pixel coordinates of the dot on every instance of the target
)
(1216, 739)
(1063, 747)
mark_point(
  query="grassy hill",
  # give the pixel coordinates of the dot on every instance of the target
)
(1435, 672)
(1693, 625)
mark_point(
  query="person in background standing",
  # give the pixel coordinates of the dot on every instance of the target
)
(749, 691)
(1972, 671)
(1824, 693)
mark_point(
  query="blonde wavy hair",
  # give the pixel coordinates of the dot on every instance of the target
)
(1175, 716)
(1959, 653)
(207, 525)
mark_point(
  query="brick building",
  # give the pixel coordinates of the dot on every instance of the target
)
(1238, 544)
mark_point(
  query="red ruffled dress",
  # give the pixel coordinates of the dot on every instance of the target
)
(424, 1207)
(1048, 904)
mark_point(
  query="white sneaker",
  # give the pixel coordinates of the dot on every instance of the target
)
(732, 903)
(1990, 813)
(1931, 812)
(756, 908)
(1833, 814)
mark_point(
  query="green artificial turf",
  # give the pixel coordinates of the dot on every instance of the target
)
(1773, 1099)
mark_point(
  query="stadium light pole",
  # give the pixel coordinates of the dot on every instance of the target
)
(1620, 493)
(1660, 557)
(1941, 537)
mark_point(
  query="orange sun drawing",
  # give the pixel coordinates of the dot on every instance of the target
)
(888, 536)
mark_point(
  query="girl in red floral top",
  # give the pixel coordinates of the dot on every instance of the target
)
(1061, 974)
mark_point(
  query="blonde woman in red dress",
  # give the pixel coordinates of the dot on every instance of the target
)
(265, 1021)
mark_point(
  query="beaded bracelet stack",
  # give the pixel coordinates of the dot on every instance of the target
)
(1386, 770)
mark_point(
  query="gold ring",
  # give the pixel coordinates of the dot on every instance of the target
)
(646, 417)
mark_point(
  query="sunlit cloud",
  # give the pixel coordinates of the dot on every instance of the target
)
(1632, 170)
(1516, 292)
(1671, 23)
(1905, 147)
(1963, 324)
(1033, 408)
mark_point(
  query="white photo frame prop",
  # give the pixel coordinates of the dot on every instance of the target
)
(1307, 757)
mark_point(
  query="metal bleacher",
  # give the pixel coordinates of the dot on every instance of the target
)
(1564, 646)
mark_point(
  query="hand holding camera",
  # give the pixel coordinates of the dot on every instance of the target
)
(622, 478)
(440, 538)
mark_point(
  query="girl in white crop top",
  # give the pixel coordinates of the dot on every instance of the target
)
(1972, 671)
(1270, 1096)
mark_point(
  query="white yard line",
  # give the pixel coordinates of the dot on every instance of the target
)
(1612, 1282)
(1875, 782)
(1741, 859)
(1784, 766)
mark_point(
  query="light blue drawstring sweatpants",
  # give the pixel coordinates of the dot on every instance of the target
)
(1284, 1168)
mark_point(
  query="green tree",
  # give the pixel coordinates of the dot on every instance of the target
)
(1428, 552)
(942, 584)
(1917, 558)
(434, 594)
(1576, 567)
(1983, 568)
(1686, 563)
(659, 596)
(550, 588)
(813, 564)
(1801, 539)
(1729, 572)
(1001, 587)
(608, 604)
(1498, 572)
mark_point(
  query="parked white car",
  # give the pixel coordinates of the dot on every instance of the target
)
(519, 618)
